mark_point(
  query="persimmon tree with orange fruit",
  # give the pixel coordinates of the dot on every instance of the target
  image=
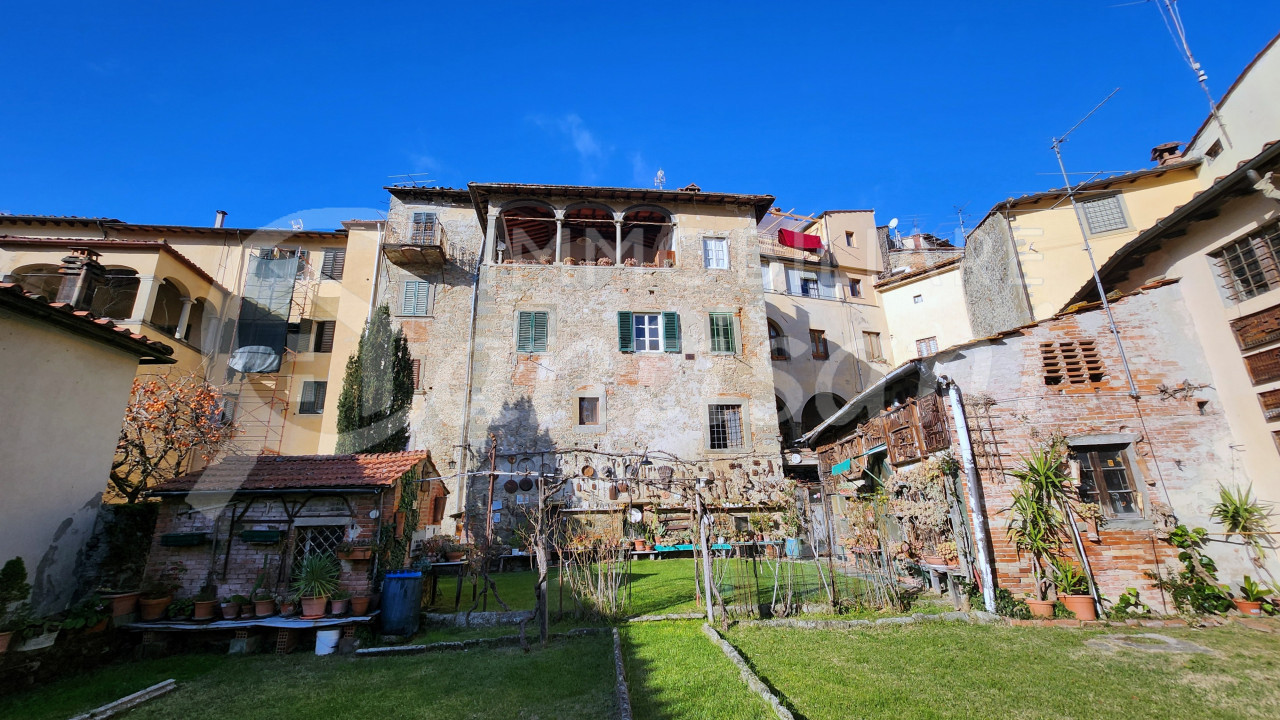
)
(171, 422)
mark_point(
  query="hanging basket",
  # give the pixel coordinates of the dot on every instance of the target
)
(261, 537)
(183, 539)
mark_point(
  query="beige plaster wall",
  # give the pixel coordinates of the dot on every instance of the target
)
(940, 313)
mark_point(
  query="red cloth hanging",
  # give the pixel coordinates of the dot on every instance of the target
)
(799, 240)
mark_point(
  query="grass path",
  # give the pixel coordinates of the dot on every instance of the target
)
(948, 670)
(673, 671)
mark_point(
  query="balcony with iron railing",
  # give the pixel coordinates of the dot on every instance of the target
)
(415, 240)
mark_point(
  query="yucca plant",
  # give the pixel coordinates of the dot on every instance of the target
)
(1038, 525)
(316, 576)
(1243, 515)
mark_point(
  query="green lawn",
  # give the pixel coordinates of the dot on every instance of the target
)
(571, 679)
(954, 670)
(673, 671)
(657, 587)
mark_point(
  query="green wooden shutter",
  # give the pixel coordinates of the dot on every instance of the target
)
(671, 331)
(538, 331)
(422, 306)
(524, 332)
(409, 299)
(626, 332)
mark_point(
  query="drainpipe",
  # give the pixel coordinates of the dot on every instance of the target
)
(977, 502)
(464, 456)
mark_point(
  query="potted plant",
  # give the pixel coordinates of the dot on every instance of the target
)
(455, 552)
(1036, 526)
(338, 602)
(1251, 596)
(288, 604)
(1073, 589)
(264, 604)
(182, 609)
(360, 604)
(231, 606)
(90, 616)
(314, 580)
(13, 590)
(35, 633)
(157, 594)
(205, 605)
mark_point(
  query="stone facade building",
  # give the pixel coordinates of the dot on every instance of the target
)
(593, 332)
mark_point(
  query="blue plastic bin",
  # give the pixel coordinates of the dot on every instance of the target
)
(401, 602)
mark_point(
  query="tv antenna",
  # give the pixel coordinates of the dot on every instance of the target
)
(1097, 279)
(960, 216)
(413, 180)
(1173, 23)
(660, 180)
(296, 223)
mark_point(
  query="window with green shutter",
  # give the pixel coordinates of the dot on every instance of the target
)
(626, 341)
(416, 298)
(671, 332)
(722, 333)
(531, 331)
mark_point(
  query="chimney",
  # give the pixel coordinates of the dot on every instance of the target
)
(81, 275)
(220, 218)
(1166, 153)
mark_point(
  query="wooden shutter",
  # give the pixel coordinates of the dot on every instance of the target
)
(335, 259)
(626, 332)
(671, 332)
(538, 331)
(300, 341)
(1257, 329)
(1264, 367)
(321, 389)
(524, 332)
(324, 335)
(416, 298)
(409, 298)
(417, 373)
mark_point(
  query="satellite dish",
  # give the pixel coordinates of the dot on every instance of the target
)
(893, 223)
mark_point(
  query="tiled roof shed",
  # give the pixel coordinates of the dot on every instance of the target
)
(274, 473)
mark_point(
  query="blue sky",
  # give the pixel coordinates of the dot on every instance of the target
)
(166, 112)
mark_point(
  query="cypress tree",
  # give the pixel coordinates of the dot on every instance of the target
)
(377, 389)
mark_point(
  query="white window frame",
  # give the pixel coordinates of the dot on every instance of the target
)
(715, 252)
(635, 332)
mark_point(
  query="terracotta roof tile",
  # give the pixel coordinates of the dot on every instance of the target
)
(300, 472)
(14, 292)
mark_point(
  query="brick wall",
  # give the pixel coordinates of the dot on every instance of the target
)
(1180, 440)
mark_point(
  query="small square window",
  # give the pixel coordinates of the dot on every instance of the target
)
(819, 342)
(917, 299)
(715, 253)
(725, 425)
(871, 340)
(855, 288)
(850, 239)
(927, 346)
(313, 393)
(588, 411)
(1106, 479)
(1104, 214)
(1214, 150)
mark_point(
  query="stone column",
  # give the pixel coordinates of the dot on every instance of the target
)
(617, 241)
(559, 226)
(490, 247)
(183, 317)
(146, 299)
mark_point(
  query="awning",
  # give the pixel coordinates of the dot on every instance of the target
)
(799, 240)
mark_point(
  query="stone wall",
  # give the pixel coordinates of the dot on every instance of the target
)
(649, 401)
(994, 293)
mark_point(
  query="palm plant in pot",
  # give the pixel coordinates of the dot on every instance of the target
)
(314, 580)
(1037, 523)
(1252, 595)
(1073, 589)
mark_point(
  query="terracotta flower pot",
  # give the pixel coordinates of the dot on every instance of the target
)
(230, 611)
(1247, 607)
(264, 608)
(337, 607)
(934, 560)
(4, 642)
(454, 556)
(152, 609)
(288, 608)
(360, 604)
(204, 610)
(1081, 605)
(100, 627)
(313, 607)
(639, 545)
(123, 603)
(1041, 608)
